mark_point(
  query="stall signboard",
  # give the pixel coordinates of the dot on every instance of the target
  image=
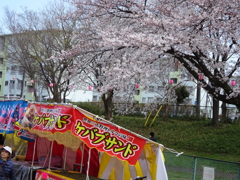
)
(10, 113)
(95, 132)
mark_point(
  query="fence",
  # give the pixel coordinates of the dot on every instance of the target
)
(186, 167)
(184, 111)
(190, 110)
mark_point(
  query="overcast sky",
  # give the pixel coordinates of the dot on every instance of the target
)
(18, 5)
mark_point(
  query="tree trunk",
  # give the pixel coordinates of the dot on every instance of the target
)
(56, 95)
(215, 112)
(224, 112)
(107, 101)
(35, 93)
(166, 115)
(64, 95)
(22, 87)
(237, 114)
(57, 98)
(198, 101)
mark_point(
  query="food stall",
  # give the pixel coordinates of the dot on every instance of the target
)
(69, 139)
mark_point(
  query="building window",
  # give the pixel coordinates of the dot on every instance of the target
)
(0, 74)
(151, 88)
(95, 98)
(150, 99)
(13, 70)
(143, 99)
(19, 84)
(12, 82)
(1, 60)
(137, 92)
(6, 83)
(174, 80)
(160, 88)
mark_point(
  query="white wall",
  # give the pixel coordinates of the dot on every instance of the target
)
(80, 96)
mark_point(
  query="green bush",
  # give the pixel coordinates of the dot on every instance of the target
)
(90, 107)
(181, 93)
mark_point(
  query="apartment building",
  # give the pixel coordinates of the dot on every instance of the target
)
(160, 91)
(14, 83)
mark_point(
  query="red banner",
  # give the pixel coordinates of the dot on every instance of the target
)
(96, 133)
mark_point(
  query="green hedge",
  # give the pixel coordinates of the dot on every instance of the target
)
(94, 108)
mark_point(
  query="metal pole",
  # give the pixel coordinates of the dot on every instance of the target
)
(156, 115)
(148, 118)
(65, 159)
(33, 158)
(81, 166)
(198, 99)
(194, 168)
(50, 157)
(88, 164)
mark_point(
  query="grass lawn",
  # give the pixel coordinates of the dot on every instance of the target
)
(196, 138)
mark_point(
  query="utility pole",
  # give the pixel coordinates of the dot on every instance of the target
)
(198, 103)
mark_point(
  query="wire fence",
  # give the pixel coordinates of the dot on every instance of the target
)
(205, 111)
(173, 111)
(186, 167)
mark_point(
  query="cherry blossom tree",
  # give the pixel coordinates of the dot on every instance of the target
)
(203, 35)
(112, 72)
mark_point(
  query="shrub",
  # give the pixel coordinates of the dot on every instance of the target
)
(90, 107)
